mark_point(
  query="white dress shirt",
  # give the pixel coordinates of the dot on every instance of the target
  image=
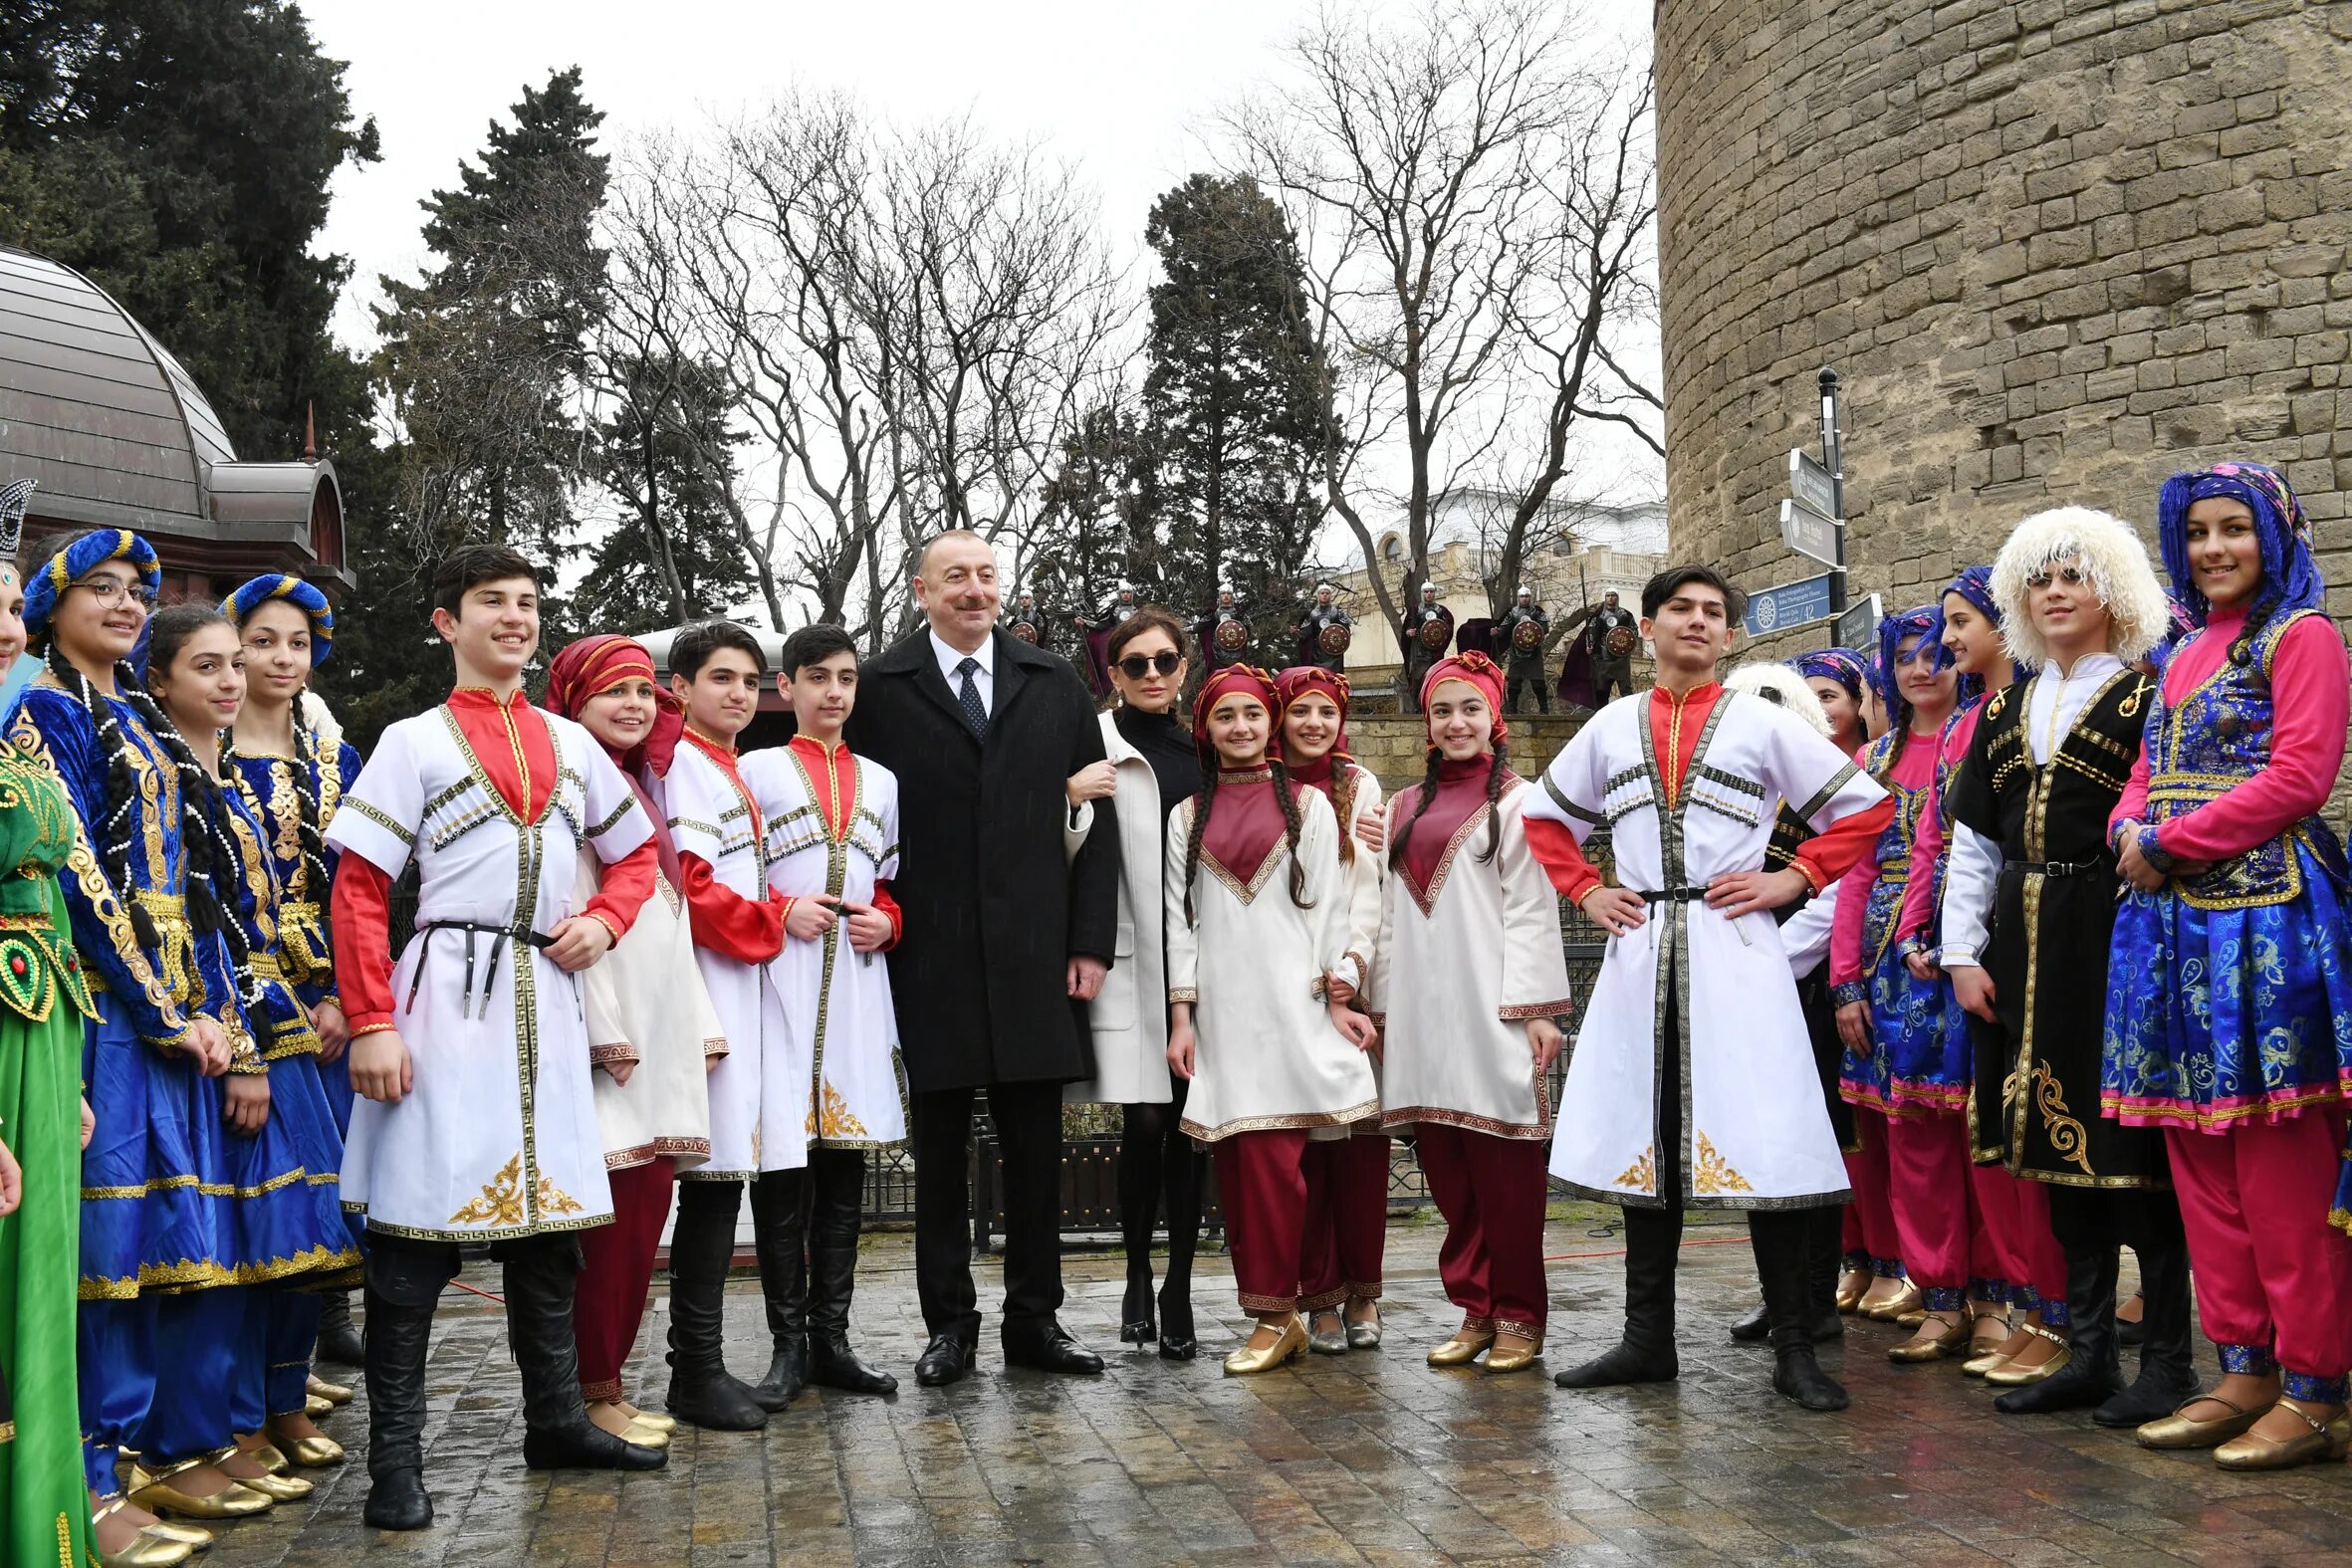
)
(984, 679)
(2051, 707)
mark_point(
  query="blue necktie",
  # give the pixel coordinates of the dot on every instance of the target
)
(968, 696)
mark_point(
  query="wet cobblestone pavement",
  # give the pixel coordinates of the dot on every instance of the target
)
(1370, 1457)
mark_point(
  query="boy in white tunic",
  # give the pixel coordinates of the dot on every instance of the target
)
(832, 847)
(476, 1119)
(1691, 1082)
(716, 670)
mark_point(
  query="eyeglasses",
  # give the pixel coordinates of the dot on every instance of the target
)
(1135, 666)
(111, 591)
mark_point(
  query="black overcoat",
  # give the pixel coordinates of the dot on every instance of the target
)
(993, 908)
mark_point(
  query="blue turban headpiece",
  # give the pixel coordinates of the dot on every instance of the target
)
(1918, 622)
(1842, 665)
(304, 596)
(2290, 577)
(76, 560)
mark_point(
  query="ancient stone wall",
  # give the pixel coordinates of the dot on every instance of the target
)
(2057, 250)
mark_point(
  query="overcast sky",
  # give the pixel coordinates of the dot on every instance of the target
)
(1123, 90)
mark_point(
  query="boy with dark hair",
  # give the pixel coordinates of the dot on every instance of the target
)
(477, 1117)
(739, 927)
(830, 849)
(1666, 585)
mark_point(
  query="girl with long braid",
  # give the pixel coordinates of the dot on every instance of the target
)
(1467, 981)
(1346, 1177)
(2228, 1019)
(292, 757)
(1901, 1059)
(2013, 1215)
(1253, 947)
(1872, 1283)
(159, 1243)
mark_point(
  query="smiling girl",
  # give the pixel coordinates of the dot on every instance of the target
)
(2228, 986)
(1469, 979)
(1253, 948)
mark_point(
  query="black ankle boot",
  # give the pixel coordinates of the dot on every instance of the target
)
(832, 1275)
(2167, 1363)
(1754, 1328)
(338, 1339)
(542, 1277)
(702, 1392)
(779, 1229)
(2093, 1374)
(1646, 1354)
(394, 1357)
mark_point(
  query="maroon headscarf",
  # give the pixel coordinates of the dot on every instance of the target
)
(594, 665)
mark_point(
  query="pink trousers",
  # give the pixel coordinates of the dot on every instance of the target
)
(1492, 1192)
(1942, 1235)
(2016, 1214)
(2273, 1276)
(1870, 1221)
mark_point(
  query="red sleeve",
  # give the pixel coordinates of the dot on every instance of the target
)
(623, 888)
(1562, 858)
(888, 907)
(1832, 853)
(723, 921)
(361, 917)
(1845, 924)
(1919, 893)
(2310, 700)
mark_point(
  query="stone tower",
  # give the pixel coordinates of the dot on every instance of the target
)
(2056, 249)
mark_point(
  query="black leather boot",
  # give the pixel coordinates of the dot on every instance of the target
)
(1824, 1258)
(1753, 1327)
(839, 1183)
(779, 1229)
(2094, 1371)
(702, 1392)
(542, 1278)
(2168, 1362)
(394, 1357)
(338, 1338)
(1783, 1260)
(1646, 1354)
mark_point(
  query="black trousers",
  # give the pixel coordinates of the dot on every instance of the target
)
(1027, 1118)
(1610, 681)
(1532, 679)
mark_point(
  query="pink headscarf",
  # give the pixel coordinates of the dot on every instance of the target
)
(1473, 669)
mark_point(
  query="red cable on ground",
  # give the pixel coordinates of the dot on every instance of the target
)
(470, 1290)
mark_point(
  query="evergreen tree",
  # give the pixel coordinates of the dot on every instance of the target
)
(1234, 430)
(486, 357)
(1087, 539)
(672, 556)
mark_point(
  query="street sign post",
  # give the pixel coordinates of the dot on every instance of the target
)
(1857, 626)
(1812, 485)
(1789, 604)
(1809, 531)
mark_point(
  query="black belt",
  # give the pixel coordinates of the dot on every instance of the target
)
(1672, 895)
(499, 936)
(2054, 867)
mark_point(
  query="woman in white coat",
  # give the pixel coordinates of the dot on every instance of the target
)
(1151, 766)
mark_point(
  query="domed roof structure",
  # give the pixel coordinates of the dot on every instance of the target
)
(119, 435)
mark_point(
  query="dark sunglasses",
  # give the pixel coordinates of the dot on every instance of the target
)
(1135, 666)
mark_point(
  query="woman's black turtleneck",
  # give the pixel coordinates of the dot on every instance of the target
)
(1167, 746)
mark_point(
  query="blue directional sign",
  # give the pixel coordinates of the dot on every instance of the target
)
(1789, 604)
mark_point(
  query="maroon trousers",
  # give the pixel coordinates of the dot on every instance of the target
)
(615, 1273)
(1346, 1226)
(1870, 1218)
(2273, 1276)
(1492, 1192)
(1262, 1185)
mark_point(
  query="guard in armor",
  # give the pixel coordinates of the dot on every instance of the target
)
(1027, 623)
(1527, 629)
(1224, 635)
(1427, 632)
(1097, 634)
(1610, 639)
(1324, 632)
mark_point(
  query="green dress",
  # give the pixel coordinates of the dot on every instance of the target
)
(44, 1511)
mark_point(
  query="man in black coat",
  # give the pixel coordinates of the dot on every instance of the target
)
(1002, 932)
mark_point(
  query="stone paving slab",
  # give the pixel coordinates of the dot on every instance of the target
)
(1368, 1459)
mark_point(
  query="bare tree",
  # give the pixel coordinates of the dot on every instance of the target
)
(909, 324)
(1473, 189)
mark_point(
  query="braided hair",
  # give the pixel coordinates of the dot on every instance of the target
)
(1498, 768)
(1201, 803)
(1421, 800)
(310, 840)
(1285, 793)
(1344, 786)
(207, 845)
(111, 834)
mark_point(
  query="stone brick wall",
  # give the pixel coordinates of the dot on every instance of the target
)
(2057, 250)
(1395, 749)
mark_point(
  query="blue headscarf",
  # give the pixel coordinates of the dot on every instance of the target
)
(1918, 622)
(2290, 577)
(304, 597)
(1842, 665)
(76, 560)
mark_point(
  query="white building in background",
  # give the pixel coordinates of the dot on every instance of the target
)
(1577, 551)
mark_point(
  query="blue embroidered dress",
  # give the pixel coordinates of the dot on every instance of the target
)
(2228, 992)
(1909, 1065)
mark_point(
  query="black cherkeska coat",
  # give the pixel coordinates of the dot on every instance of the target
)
(993, 907)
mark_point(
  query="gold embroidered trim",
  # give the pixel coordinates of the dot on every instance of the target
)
(1712, 1175)
(1642, 1173)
